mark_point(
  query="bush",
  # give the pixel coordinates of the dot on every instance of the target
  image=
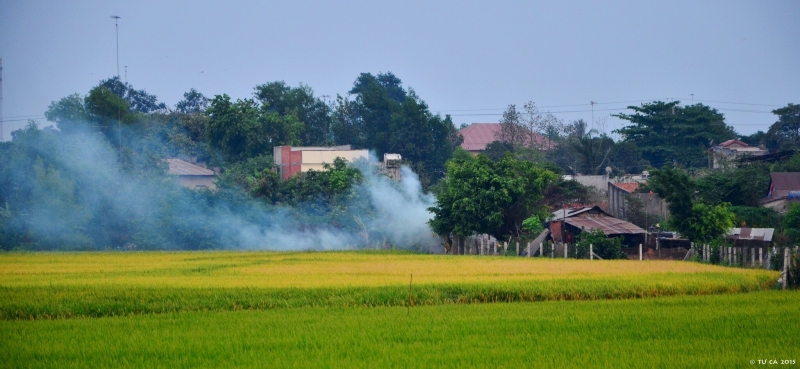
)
(605, 247)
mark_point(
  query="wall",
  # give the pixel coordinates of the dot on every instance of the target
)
(194, 181)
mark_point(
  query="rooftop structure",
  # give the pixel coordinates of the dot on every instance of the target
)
(291, 160)
(191, 175)
(730, 150)
(784, 187)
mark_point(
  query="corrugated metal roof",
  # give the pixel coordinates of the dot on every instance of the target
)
(180, 167)
(478, 135)
(608, 225)
(756, 234)
(734, 141)
(780, 185)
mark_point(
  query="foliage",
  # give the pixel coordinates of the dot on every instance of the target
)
(668, 132)
(707, 222)
(533, 226)
(743, 186)
(602, 245)
(311, 111)
(756, 217)
(791, 223)
(482, 196)
(790, 165)
(785, 133)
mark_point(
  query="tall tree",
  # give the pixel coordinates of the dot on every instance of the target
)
(785, 133)
(300, 101)
(482, 196)
(668, 132)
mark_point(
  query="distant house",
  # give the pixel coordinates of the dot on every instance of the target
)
(567, 224)
(731, 150)
(478, 135)
(191, 175)
(290, 160)
(751, 237)
(619, 203)
(784, 188)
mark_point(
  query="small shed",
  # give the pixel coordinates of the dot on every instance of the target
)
(567, 224)
(751, 237)
(191, 175)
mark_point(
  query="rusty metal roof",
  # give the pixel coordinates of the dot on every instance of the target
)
(184, 168)
(755, 234)
(609, 225)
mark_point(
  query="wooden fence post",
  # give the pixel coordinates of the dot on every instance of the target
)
(640, 252)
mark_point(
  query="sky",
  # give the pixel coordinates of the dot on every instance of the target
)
(470, 59)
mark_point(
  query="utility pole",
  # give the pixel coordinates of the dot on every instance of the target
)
(592, 103)
(692, 98)
(119, 113)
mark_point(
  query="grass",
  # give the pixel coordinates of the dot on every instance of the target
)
(70, 285)
(681, 331)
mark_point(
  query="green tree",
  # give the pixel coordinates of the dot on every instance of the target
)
(311, 111)
(791, 223)
(707, 222)
(668, 132)
(602, 245)
(482, 196)
(68, 114)
(785, 133)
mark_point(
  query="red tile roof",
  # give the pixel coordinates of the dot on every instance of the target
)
(478, 135)
(731, 142)
(629, 187)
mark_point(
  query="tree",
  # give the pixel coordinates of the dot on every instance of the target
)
(602, 245)
(312, 112)
(481, 196)
(68, 114)
(246, 129)
(138, 100)
(785, 133)
(707, 222)
(193, 102)
(791, 223)
(668, 132)
(695, 220)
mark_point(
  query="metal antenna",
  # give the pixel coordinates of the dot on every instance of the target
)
(116, 25)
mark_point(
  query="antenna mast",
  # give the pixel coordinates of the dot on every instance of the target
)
(116, 25)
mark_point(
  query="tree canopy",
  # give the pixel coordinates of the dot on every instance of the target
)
(667, 132)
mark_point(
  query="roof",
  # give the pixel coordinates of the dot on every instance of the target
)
(781, 183)
(571, 212)
(609, 225)
(478, 135)
(733, 142)
(184, 168)
(756, 234)
(629, 187)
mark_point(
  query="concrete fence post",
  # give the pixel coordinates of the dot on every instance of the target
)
(752, 257)
(541, 249)
(505, 247)
(785, 273)
(640, 252)
(591, 252)
(517, 248)
(530, 249)
(760, 257)
(566, 248)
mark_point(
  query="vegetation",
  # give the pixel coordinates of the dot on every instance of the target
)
(605, 247)
(722, 330)
(64, 285)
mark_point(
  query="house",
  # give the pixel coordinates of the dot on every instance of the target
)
(291, 160)
(621, 203)
(191, 175)
(567, 224)
(731, 150)
(478, 135)
(751, 237)
(784, 188)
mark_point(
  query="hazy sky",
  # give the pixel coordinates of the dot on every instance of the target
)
(466, 58)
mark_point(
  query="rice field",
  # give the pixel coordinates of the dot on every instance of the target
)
(67, 285)
(720, 331)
